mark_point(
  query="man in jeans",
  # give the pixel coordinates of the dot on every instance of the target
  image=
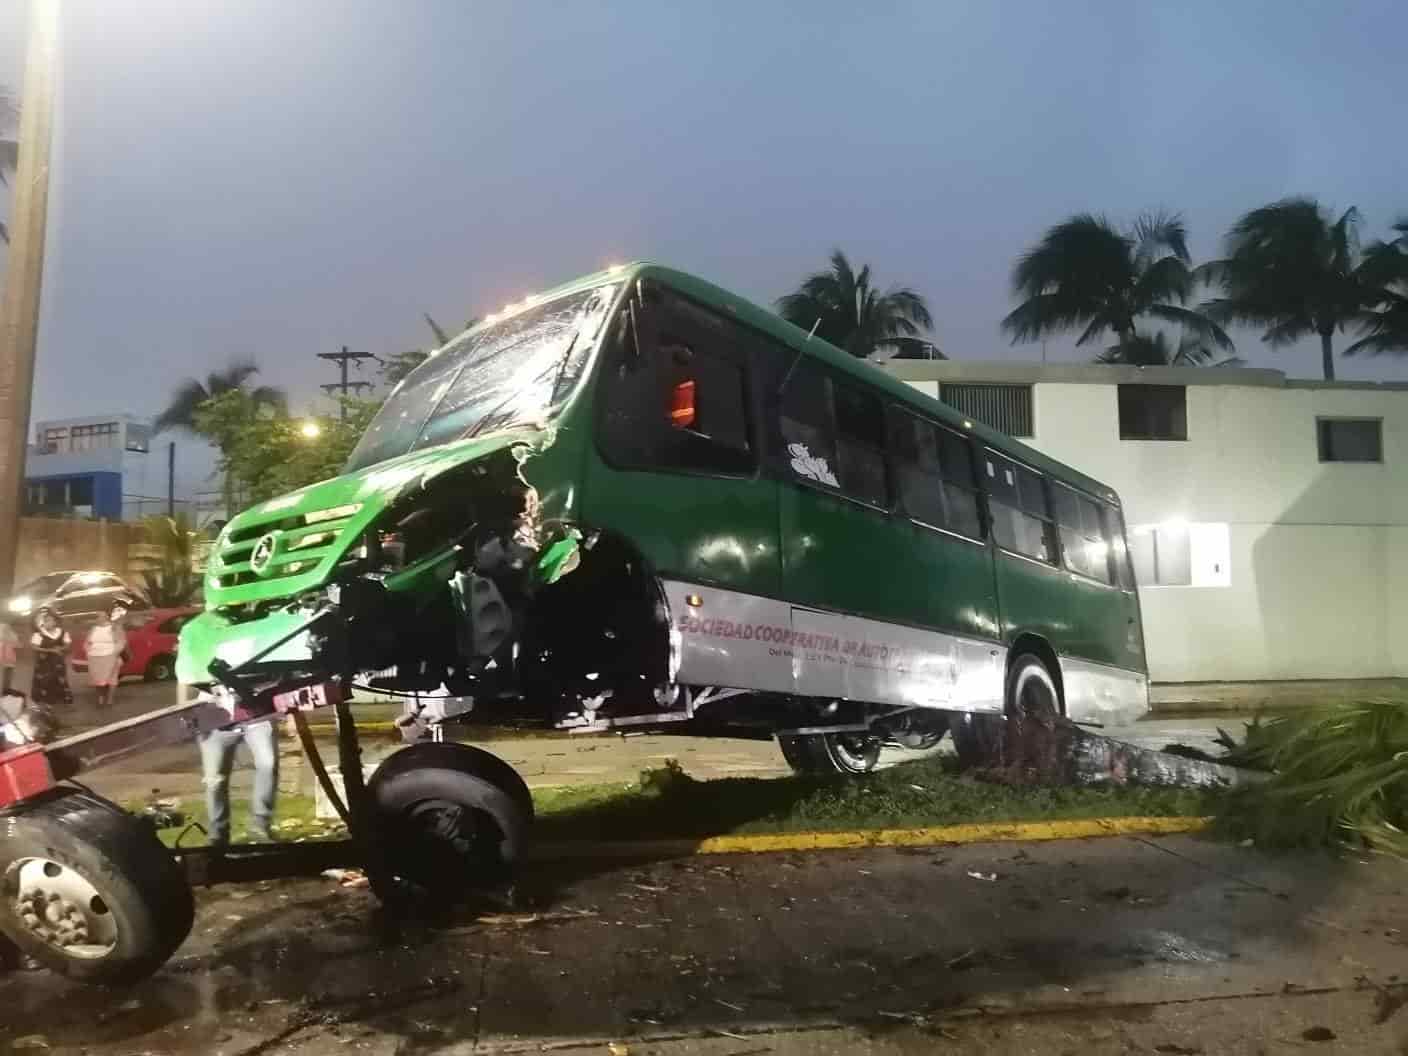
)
(217, 757)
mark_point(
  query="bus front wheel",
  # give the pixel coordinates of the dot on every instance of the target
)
(831, 753)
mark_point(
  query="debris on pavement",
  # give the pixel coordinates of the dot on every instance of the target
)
(982, 876)
(350, 878)
(1319, 1034)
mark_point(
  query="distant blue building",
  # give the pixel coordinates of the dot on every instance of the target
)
(88, 467)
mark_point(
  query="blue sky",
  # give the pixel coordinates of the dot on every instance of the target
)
(270, 179)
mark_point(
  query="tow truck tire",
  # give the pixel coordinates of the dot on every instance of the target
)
(88, 891)
(450, 819)
(831, 753)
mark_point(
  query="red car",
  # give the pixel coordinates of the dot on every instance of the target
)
(151, 641)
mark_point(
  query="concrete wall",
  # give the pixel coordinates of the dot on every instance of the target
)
(1318, 584)
(52, 544)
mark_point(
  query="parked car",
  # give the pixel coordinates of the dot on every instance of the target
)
(151, 643)
(74, 596)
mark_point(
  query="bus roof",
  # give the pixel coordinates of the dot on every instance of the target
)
(823, 351)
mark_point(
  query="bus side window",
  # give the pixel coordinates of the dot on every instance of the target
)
(934, 475)
(808, 441)
(681, 404)
(960, 487)
(1020, 515)
(1124, 563)
(1084, 539)
(918, 478)
(860, 444)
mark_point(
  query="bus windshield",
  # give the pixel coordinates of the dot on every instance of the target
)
(518, 371)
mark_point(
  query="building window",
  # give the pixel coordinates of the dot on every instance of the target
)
(1178, 554)
(1153, 412)
(55, 440)
(1004, 407)
(1350, 439)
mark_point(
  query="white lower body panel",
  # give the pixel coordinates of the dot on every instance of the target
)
(747, 642)
(1107, 695)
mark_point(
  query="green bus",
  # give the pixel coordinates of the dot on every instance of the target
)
(641, 501)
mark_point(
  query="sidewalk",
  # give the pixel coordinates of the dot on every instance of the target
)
(1169, 945)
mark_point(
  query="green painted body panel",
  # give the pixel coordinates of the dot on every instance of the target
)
(839, 554)
(1079, 617)
(755, 535)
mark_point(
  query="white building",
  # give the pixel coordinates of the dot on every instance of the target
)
(1268, 517)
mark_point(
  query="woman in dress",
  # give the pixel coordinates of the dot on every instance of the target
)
(106, 643)
(49, 695)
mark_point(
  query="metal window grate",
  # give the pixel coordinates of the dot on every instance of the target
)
(1004, 407)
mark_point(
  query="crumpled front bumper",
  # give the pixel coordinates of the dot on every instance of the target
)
(214, 636)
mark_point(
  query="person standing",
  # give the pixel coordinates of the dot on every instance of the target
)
(105, 645)
(49, 693)
(217, 756)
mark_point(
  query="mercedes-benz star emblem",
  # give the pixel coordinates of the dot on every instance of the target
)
(263, 553)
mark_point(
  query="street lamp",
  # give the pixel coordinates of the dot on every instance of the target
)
(311, 430)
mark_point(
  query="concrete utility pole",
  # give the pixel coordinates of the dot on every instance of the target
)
(24, 273)
(342, 359)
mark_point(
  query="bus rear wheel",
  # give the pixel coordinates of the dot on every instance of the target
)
(89, 892)
(1022, 740)
(831, 753)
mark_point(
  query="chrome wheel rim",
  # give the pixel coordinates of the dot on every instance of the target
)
(856, 753)
(61, 908)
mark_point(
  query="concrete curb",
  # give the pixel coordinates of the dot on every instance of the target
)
(858, 839)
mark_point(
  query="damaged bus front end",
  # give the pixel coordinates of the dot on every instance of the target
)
(438, 566)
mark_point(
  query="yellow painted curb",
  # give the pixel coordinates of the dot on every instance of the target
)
(981, 832)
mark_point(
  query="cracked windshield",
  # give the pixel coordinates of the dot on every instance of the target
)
(627, 529)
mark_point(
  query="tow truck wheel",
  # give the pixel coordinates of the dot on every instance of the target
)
(89, 891)
(831, 753)
(451, 818)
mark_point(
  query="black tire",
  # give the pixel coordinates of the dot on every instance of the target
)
(831, 753)
(977, 739)
(142, 905)
(464, 757)
(1018, 738)
(450, 819)
(160, 668)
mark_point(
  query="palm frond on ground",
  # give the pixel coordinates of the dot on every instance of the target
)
(1087, 275)
(1338, 776)
(843, 307)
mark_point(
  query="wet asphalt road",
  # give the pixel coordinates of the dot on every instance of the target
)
(1119, 945)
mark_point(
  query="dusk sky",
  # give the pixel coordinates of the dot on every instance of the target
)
(271, 179)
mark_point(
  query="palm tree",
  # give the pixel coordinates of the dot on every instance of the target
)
(1385, 324)
(1295, 271)
(181, 410)
(1085, 273)
(845, 309)
(1154, 350)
